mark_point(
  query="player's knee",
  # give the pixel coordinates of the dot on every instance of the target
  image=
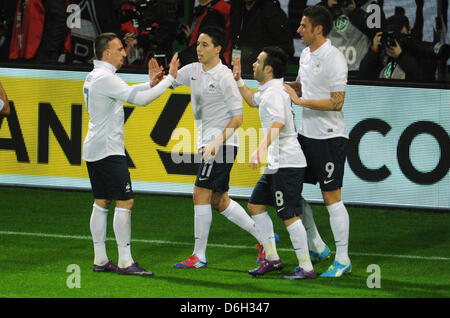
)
(220, 201)
(216, 203)
(127, 204)
(331, 197)
(103, 203)
(201, 196)
(254, 209)
(288, 220)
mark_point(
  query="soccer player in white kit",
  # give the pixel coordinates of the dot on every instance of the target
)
(104, 150)
(320, 90)
(218, 112)
(283, 178)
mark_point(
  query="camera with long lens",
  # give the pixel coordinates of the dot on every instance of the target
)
(388, 39)
(158, 20)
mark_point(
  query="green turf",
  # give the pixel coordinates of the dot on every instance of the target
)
(412, 249)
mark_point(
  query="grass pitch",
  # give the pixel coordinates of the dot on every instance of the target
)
(43, 232)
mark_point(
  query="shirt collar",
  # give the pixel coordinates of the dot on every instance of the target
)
(105, 65)
(214, 69)
(322, 48)
(273, 82)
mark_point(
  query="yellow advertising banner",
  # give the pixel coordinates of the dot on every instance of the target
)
(43, 136)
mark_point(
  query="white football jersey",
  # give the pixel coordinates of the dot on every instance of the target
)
(104, 95)
(275, 105)
(320, 73)
(215, 100)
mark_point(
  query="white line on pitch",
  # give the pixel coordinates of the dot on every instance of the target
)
(83, 237)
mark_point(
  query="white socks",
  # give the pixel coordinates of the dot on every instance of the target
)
(264, 226)
(98, 230)
(340, 225)
(122, 231)
(315, 242)
(203, 219)
(236, 214)
(298, 238)
(202, 224)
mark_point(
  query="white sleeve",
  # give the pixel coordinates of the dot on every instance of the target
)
(338, 72)
(232, 96)
(275, 108)
(142, 94)
(2, 103)
(183, 76)
(256, 98)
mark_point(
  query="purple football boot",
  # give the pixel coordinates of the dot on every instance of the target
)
(108, 267)
(300, 273)
(267, 266)
(134, 269)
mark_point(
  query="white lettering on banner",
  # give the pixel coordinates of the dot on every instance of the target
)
(74, 19)
(391, 160)
(373, 21)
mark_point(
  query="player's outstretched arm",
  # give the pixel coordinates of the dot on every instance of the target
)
(246, 92)
(334, 103)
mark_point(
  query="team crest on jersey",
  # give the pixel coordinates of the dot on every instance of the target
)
(341, 23)
(212, 87)
(317, 68)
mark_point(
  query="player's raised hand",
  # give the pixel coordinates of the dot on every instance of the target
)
(155, 72)
(173, 66)
(237, 68)
(292, 94)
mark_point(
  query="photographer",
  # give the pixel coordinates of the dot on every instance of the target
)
(350, 32)
(395, 54)
(151, 27)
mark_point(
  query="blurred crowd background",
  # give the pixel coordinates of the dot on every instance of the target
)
(403, 40)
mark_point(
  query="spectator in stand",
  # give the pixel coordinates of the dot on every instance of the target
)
(150, 30)
(40, 31)
(395, 54)
(207, 13)
(350, 32)
(256, 24)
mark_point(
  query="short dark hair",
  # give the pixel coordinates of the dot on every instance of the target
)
(278, 59)
(101, 43)
(397, 21)
(319, 15)
(217, 35)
